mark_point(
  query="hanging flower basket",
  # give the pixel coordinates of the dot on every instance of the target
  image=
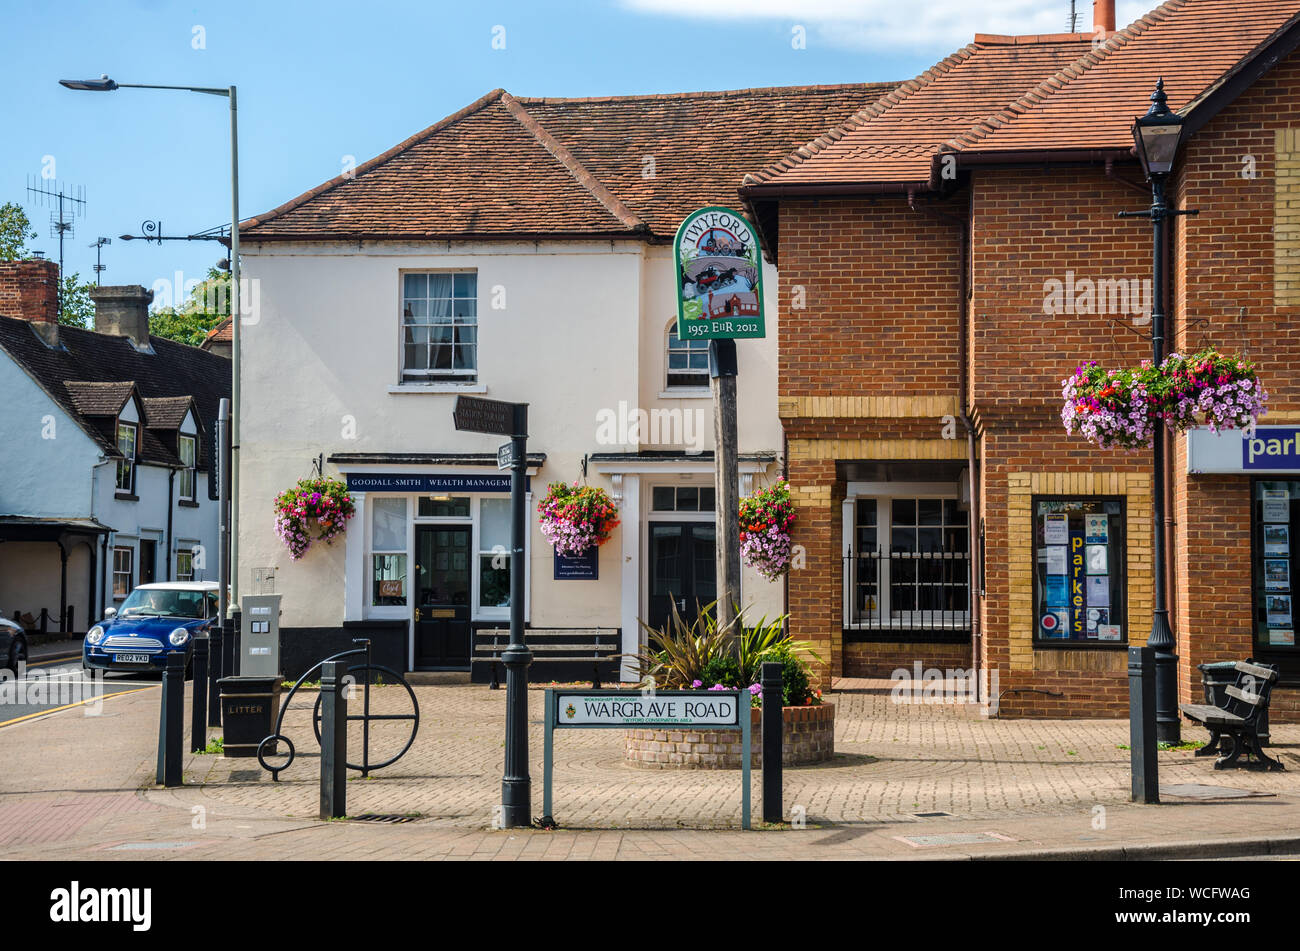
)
(1124, 408)
(765, 520)
(576, 518)
(313, 510)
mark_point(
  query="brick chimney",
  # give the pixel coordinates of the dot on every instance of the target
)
(1103, 16)
(122, 310)
(29, 290)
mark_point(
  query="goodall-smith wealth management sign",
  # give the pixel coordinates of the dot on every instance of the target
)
(719, 277)
(695, 708)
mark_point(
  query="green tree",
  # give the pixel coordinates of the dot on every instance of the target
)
(15, 231)
(76, 308)
(207, 305)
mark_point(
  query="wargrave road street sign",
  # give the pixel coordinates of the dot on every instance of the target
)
(719, 277)
(476, 415)
(580, 709)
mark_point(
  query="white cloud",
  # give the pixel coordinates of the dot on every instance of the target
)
(892, 24)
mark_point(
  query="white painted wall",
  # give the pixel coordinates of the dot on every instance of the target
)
(582, 330)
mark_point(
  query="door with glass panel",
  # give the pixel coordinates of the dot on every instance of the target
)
(442, 587)
(682, 570)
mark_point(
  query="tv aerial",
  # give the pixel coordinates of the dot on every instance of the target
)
(66, 203)
(99, 261)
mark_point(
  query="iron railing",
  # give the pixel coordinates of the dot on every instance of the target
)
(909, 596)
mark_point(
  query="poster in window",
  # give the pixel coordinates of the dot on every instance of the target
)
(1078, 575)
(1108, 632)
(1056, 530)
(1055, 559)
(1277, 574)
(1096, 618)
(1277, 505)
(1098, 563)
(1278, 610)
(1056, 596)
(1281, 637)
(1055, 623)
(1098, 591)
(1277, 540)
(1097, 530)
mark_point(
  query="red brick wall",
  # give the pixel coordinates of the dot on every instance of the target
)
(30, 290)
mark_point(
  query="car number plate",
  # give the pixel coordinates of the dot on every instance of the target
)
(131, 658)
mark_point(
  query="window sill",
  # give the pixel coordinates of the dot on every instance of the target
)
(438, 388)
(187, 503)
(686, 393)
(1082, 645)
(126, 497)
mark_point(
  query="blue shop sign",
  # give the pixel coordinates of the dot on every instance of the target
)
(1272, 447)
(584, 567)
(428, 484)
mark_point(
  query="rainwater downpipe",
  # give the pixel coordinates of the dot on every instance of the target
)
(974, 593)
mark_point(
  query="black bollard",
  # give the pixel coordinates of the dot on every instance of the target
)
(333, 740)
(1142, 724)
(214, 674)
(171, 727)
(199, 707)
(773, 698)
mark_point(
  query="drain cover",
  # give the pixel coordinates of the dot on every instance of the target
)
(931, 815)
(1201, 791)
(953, 838)
(148, 846)
(378, 817)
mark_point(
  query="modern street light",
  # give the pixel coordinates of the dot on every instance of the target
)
(104, 84)
(1156, 138)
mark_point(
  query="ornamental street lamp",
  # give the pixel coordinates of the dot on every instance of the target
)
(1156, 138)
(104, 84)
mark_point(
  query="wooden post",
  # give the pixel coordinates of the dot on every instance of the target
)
(722, 381)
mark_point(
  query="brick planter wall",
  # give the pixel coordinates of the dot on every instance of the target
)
(808, 736)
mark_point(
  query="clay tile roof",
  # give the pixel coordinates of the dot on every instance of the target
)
(1191, 44)
(166, 412)
(99, 399)
(221, 333)
(619, 165)
(1033, 93)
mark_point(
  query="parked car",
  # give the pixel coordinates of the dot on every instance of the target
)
(154, 621)
(13, 645)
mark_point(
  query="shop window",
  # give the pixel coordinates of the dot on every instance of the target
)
(494, 553)
(688, 361)
(907, 570)
(442, 506)
(126, 441)
(440, 327)
(188, 449)
(682, 498)
(388, 552)
(1079, 571)
(1276, 510)
(122, 572)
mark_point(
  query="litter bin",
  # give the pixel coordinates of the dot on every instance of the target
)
(1215, 681)
(249, 706)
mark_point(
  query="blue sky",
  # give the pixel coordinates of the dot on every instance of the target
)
(321, 81)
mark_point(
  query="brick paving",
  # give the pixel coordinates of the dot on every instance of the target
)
(1007, 786)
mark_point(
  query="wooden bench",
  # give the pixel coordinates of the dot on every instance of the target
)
(551, 646)
(1237, 720)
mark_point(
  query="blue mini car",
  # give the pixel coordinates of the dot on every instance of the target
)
(154, 621)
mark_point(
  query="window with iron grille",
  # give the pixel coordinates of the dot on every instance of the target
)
(907, 568)
(440, 327)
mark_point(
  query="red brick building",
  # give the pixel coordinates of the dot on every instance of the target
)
(948, 256)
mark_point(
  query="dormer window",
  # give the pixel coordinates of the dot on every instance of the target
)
(188, 452)
(126, 445)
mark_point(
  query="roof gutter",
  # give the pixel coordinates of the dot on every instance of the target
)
(1040, 157)
(762, 191)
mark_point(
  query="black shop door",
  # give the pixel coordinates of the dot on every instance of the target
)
(682, 570)
(442, 563)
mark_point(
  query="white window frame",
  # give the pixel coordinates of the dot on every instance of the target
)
(127, 462)
(682, 389)
(431, 377)
(372, 553)
(190, 472)
(182, 575)
(129, 551)
(884, 494)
